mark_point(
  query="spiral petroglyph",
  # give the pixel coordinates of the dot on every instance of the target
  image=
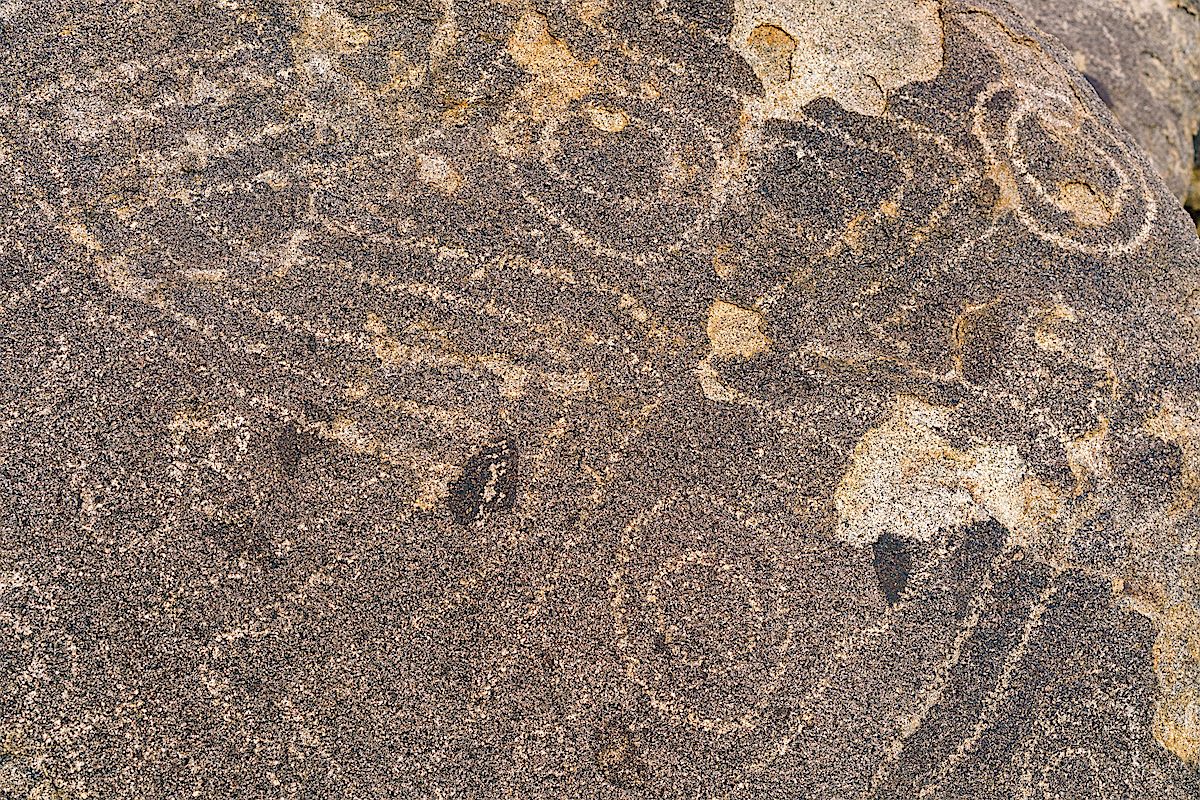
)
(673, 604)
(1101, 204)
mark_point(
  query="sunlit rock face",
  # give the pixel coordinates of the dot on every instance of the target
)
(616, 398)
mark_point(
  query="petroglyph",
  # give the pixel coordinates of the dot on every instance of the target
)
(687, 398)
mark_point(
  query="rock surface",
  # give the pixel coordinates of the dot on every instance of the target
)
(1143, 59)
(615, 398)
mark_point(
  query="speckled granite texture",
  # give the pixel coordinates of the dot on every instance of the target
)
(595, 399)
(1143, 59)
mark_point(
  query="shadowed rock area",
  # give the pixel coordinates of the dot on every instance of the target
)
(592, 399)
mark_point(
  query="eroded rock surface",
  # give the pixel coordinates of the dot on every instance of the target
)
(1142, 57)
(614, 398)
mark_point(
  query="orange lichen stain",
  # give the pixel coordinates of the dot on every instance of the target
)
(1009, 196)
(1089, 208)
(1177, 664)
(736, 331)
(559, 78)
(609, 120)
(771, 49)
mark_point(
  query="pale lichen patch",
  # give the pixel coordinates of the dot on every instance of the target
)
(435, 171)
(852, 51)
(907, 479)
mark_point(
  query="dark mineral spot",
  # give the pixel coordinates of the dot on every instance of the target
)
(619, 759)
(893, 564)
(239, 538)
(317, 412)
(986, 194)
(488, 483)
(1151, 468)
(291, 445)
(1100, 89)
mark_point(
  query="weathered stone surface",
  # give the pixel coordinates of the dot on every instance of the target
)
(1143, 59)
(616, 398)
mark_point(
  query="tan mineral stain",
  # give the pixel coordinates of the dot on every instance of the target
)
(736, 331)
(769, 50)
(1177, 664)
(855, 52)
(723, 261)
(1088, 207)
(558, 76)
(590, 11)
(1173, 604)
(1009, 196)
(114, 269)
(1085, 456)
(204, 275)
(325, 30)
(961, 331)
(609, 120)
(1183, 432)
